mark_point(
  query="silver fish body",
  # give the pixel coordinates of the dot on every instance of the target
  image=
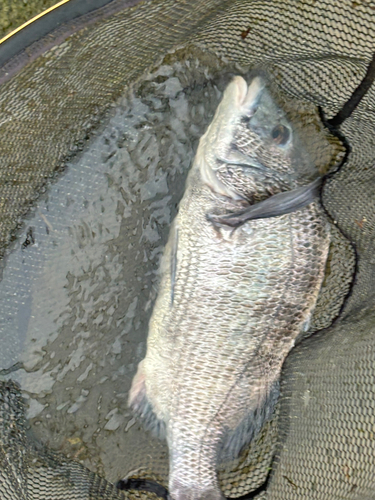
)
(231, 301)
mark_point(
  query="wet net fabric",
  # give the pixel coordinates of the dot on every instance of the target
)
(55, 111)
(17, 454)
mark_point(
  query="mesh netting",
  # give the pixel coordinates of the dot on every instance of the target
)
(120, 107)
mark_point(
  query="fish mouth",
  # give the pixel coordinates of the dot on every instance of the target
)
(246, 99)
(248, 96)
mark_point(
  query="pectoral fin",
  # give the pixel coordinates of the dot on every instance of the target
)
(274, 206)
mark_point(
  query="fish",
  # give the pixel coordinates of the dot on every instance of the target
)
(240, 277)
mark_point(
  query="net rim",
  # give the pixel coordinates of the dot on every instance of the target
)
(51, 27)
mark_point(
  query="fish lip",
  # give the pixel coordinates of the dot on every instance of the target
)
(248, 96)
(241, 88)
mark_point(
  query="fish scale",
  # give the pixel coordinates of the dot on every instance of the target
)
(241, 297)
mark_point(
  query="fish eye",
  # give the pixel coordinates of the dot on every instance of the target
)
(280, 134)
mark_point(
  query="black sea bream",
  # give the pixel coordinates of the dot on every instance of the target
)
(235, 291)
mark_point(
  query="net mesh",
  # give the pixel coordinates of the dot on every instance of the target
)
(66, 108)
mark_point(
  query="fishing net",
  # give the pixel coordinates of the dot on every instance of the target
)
(100, 122)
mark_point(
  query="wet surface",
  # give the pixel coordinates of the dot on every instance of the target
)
(79, 285)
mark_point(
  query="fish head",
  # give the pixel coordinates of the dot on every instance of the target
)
(251, 135)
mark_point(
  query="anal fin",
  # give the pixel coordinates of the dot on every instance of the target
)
(141, 406)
